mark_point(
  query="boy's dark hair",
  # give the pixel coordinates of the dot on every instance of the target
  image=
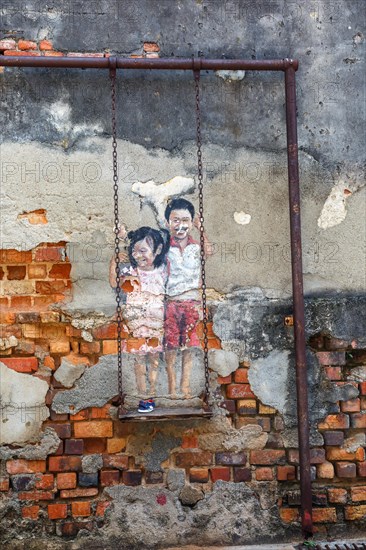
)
(179, 204)
(154, 238)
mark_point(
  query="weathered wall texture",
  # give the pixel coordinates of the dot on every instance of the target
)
(73, 475)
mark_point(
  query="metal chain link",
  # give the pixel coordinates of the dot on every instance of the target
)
(112, 74)
(202, 230)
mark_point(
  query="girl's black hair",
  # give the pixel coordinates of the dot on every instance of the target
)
(155, 238)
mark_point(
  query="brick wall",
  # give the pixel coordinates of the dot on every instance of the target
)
(57, 490)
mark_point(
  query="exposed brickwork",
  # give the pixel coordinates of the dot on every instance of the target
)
(59, 489)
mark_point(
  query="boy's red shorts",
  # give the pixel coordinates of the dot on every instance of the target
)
(181, 319)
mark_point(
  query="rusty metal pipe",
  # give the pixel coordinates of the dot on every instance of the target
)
(144, 63)
(298, 303)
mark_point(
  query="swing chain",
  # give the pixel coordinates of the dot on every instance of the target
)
(202, 234)
(112, 74)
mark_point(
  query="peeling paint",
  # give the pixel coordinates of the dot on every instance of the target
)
(242, 218)
(334, 209)
(22, 413)
(157, 195)
(230, 76)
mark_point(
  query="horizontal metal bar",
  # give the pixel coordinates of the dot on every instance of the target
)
(199, 63)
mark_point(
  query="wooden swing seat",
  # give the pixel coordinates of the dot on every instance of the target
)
(161, 414)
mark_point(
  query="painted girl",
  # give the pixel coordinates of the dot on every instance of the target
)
(143, 282)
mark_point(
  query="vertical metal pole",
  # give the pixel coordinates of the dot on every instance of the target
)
(298, 303)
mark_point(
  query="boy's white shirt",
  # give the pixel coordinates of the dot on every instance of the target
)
(184, 272)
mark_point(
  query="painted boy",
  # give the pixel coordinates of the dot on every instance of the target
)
(183, 296)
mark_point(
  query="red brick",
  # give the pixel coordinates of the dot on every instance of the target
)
(110, 347)
(363, 388)
(193, 458)
(26, 347)
(60, 271)
(116, 461)
(102, 506)
(358, 420)
(289, 515)
(224, 379)
(22, 466)
(242, 474)
(21, 54)
(109, 477)
(45, 481)
(361, 468)
(241, 376)
(220, 472)
(30, 512)
(4, 483)
(66, 480)
(50, 254)
(264, 474)
(335, 422)
(106, 332)
(353, 405)
(36, 495)
(198, 475)
(231, 459)
(16, 272)
(325, 470)
(345, 469)
(95, 445)
(94, 428)
(57, 511)
(151, 47)
(337, 496)
(247, 406)
(63, 430)
(337, 453)
(80, 509)
(74, 447)
(45, 45)
(69, 529)
(239, 391)
(53, 54)
(354, 513)
(333, 373)
(79, 493)
(64, 463)
(333, 438)
(81, 415)
(229, 405)
(286, 473)
(331, 357)
(37, 271)
(50, 287)
(21, 364)
(132, 477)
(7, 318)
(100, 412)
(12, 256)
(358, 493)
(60, 347)
(317, 456)
(26, 45)
(89, 348)
(324, 515)
(267, 457)
(189, 441)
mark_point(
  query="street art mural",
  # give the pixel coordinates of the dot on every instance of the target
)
(162, 307)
